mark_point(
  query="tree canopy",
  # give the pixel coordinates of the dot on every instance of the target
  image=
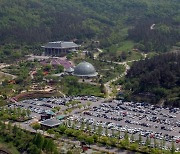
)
(35, 21)
(158, 77)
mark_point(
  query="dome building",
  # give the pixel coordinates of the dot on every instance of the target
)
(85, 69)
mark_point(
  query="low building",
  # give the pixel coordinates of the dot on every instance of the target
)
(45, 117)
(50, 123)
(60, 48)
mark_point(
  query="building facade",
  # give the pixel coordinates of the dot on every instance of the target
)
(59, 48)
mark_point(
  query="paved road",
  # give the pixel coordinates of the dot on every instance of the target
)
(7, 74)
(75, 142)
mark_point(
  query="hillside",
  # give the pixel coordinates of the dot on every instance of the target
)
(35, 21)
(157, 78)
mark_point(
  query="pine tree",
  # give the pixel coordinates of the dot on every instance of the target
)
(38, 141)
(126, 136)
(132, 137)
(106, 131)
(140, 138)
(147, 141)
(173, 148)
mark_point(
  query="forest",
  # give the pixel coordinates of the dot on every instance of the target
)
(160, 38)
(110, 21)
(157, 78)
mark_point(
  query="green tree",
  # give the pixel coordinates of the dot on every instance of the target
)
(59, 69)
(50, 146)
(119, 133)
(23, 113)
(163, 142)
(100, 129)
(82, 125)
(9, 127)
(106, 131)
(155, 143)
(69, 122)
(112, 131)
(88, 126)
(147, 143)
(15, 129)
(62, 128)
(36, 126)
(126, 136)
(28, 112)
(132, 137)
(47, 68)
(140, 139)
(90, 140)
(38, 141)
(33, 149)
(173, 148)
(133, 146)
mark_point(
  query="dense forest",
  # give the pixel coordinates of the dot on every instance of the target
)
(157, 78)
(35, 21)
(155, 37)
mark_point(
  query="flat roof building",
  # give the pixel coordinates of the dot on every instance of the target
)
(51, 123)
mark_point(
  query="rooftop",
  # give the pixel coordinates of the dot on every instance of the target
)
(61, 45)
(51, 122)
(85, 69)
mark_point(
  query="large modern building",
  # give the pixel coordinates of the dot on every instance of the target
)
(59, 48)
(85, 69)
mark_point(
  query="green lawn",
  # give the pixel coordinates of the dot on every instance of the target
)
(151, 54)
(126, 46)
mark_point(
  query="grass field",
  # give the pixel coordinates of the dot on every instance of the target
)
(126, 46)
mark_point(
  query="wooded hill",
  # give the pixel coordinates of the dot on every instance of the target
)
(157, 78)
(35, 21)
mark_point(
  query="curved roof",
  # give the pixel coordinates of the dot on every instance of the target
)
(70, 70)
(61, 45)
(85, 69)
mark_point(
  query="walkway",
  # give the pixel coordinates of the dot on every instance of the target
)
(127, 67)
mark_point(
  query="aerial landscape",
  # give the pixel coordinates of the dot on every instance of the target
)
(92, 77)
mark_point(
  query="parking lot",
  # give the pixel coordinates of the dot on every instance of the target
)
(46, 105)
(136, 118)
(118, 116)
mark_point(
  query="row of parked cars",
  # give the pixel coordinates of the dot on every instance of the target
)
(40, 105)
(143, 118)
(118, 111)
(61, 101)
(131, 130)
(38, 110)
